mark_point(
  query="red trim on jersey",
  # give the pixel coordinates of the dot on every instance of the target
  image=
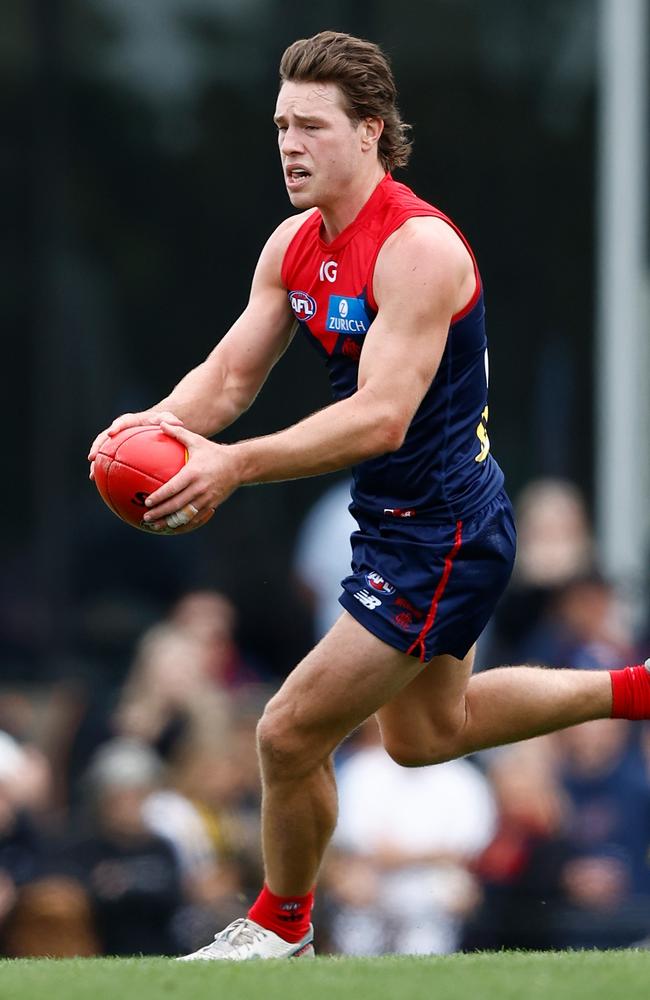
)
(466, 310)
(437, 597)
(296, 243)
(434, 214)
(304, 236)
(369, 210)
(389, 206)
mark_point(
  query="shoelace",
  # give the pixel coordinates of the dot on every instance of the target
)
(239, 932)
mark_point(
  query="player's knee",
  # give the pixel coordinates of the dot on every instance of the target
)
(283, 751)
(274, 741)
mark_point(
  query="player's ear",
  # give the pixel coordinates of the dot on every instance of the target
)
(371, 129)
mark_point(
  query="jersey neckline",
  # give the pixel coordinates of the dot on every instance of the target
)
(366, 210)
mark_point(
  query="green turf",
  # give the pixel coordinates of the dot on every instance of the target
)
(502, 976)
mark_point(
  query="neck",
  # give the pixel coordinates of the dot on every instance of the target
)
(338, 215)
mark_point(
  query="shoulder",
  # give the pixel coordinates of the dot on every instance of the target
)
(425, 260)
(270, 262)
(279, 240)
(425, 239)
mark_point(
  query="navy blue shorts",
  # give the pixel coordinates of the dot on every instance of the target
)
(428, 589)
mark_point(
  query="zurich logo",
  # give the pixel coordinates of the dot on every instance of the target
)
(303, 306)
(347, 314)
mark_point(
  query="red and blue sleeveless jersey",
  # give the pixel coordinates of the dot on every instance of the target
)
(444, 468)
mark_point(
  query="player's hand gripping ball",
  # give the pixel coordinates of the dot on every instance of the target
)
(135, 463)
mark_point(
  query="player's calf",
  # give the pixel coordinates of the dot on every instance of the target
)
(421, 741)
(418, 755)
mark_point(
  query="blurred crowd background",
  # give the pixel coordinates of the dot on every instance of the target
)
(140, 156)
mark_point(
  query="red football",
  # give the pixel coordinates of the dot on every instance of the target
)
(133, 464)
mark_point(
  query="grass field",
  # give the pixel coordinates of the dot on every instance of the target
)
(502, 976)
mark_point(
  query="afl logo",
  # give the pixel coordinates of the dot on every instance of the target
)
(304, 307)
(377, 582)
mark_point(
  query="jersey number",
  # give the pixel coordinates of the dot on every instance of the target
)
(482, 435)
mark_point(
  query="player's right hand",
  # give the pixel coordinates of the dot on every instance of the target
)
(146, 417)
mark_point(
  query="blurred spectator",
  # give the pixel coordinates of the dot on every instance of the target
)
(205, 812)
(21, 848)
(131, 874)
(585, 626)
(554, 546)
(52, 917)
(171, 815)
(219, 786)
(211, 618)
(170, 695)
(215, 899)
(217, 794)
(39, 718)
(25, 774)
(192, 700)
(177, 688)
(607, 877)
(215, 879)
(520, 870)
(322, 554)
(413, 832)
(568, 867)
(42, 911)
(352, 918)
(554, 535)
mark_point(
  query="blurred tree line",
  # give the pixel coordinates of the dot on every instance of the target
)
(142, 176)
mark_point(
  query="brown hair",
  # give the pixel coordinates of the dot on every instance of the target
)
(362, 72)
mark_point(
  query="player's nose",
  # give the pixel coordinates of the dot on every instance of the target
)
(291, 141)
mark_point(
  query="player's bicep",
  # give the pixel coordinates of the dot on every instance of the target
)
(261, 334)
(406, 355)
(416, 291)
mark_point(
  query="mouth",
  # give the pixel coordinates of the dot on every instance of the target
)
(296, 177)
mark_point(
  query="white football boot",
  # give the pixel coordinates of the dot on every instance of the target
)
(243, 939)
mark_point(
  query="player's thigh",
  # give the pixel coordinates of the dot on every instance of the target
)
(345, 679)
(420, 723)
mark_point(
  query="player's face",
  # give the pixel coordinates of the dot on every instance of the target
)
(320, 147)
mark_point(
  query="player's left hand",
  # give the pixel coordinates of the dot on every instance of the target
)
(207, 479)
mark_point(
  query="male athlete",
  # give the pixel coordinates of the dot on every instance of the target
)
(387, 290)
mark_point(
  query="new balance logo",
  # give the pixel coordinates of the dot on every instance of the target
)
(368, 600)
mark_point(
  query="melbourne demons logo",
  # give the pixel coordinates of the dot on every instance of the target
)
(377, 582)
(304, 307)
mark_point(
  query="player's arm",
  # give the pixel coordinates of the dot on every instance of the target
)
(416, 288)
(423, 276)
(212, 395)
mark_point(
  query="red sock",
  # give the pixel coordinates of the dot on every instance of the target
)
(630, 693)
(286, 916)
